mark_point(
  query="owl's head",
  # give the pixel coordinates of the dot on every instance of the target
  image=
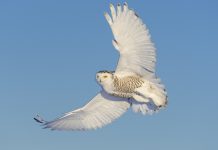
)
(104, 77)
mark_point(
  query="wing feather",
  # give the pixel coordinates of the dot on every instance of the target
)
(133, 41)
(100, 111)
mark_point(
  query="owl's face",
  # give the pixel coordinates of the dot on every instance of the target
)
(104, 77)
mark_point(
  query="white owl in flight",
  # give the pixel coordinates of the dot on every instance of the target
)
(132, 84)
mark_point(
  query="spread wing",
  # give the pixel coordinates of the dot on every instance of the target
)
(100, 111)
(132, 40)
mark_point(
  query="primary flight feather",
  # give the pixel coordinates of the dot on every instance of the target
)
(132, 84)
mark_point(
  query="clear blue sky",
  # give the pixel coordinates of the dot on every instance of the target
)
(49, 54)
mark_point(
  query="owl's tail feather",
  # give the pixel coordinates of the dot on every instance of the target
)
(144, 108)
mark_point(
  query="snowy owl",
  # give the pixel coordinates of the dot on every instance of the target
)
(132, 84)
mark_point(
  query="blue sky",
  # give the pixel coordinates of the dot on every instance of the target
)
(51, 50)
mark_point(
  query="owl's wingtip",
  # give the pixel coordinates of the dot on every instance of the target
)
(39, 119)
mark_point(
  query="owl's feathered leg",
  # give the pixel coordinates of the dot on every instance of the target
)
(140, 98)
(153, 91)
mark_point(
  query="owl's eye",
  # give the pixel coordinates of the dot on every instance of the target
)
(104, 76)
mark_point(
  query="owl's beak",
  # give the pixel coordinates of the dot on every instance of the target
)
(99, 80)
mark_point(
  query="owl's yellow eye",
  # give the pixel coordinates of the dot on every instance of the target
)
(104, 76)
